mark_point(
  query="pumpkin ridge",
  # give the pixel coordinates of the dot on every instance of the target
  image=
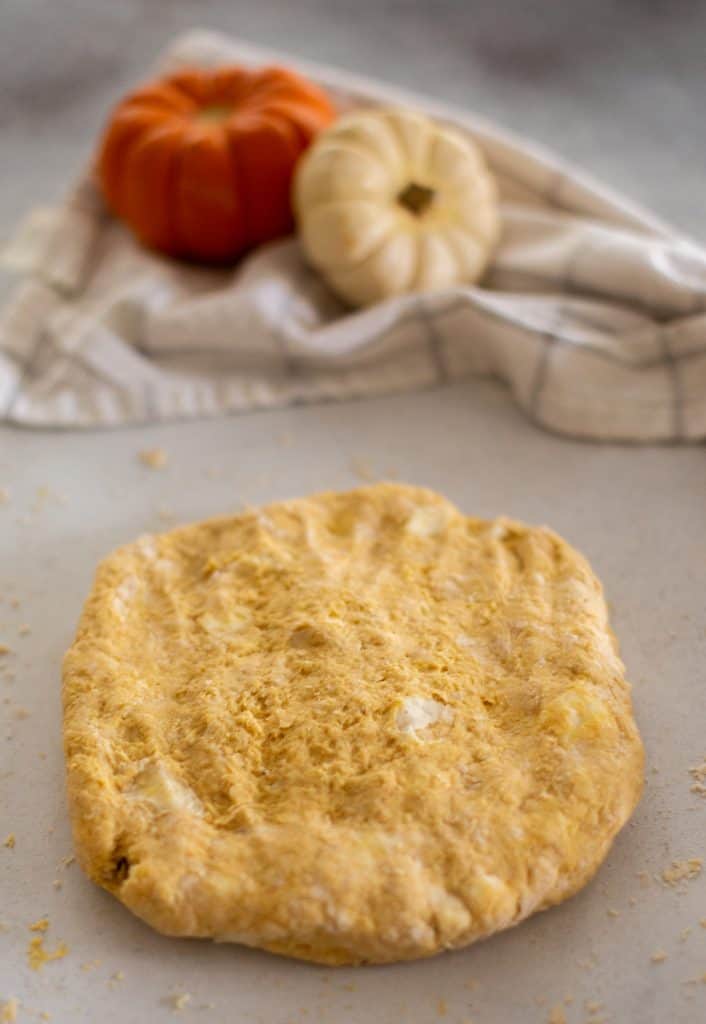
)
(452, 241)
(308, 97)
(171, 99)
(187, 84)
(413, 282)
(303, 121)
(171, 186)
(171, 177)
(417, 176)
(125, 131)
(362, 149)
(158, 98)
(177, 240)
(154, 148)
(383, 143)
(207, 199)
(280, 136)
(238, 177)
(345, 145)
(230, 86)
(347, 265)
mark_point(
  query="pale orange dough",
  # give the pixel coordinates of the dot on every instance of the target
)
(358, 727)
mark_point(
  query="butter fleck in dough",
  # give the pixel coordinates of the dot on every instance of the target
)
(358, 727)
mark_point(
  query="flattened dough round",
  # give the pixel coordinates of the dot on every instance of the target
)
(358, 727)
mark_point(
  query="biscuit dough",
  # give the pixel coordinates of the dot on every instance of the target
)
(357, 727)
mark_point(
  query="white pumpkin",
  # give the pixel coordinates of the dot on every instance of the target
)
(389, 201)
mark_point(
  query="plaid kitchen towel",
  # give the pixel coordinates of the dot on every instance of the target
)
(593, 312)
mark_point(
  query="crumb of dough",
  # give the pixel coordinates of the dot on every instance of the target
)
(684, 934)
(632, 901)
(471, 984)
(40, 926)
(180, 1001)
(612, 912)
(15, 602)
(24, 629)
(441, 1007)
(37, 955)
(556, 1015)
(682, 870)
(22, 713)
(154, 458)
(702, 922)
(658, 957)
(57, 883)
(90, 964)
(593, 1006)
(644, 877)
(8, 1010)
(698, 774)
(10, 841)
(66, 861)
(4, 649)
(44, 1015)
(362, 469)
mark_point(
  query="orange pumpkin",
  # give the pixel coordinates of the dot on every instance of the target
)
(200, 164)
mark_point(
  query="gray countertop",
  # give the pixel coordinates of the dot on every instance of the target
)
(621, 92)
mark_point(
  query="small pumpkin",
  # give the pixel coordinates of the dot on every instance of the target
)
(390, 201)
(200, 164)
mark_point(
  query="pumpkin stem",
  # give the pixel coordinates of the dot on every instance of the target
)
(416, 198)
(215, 112)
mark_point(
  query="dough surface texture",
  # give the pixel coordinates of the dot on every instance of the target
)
(357, 727)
